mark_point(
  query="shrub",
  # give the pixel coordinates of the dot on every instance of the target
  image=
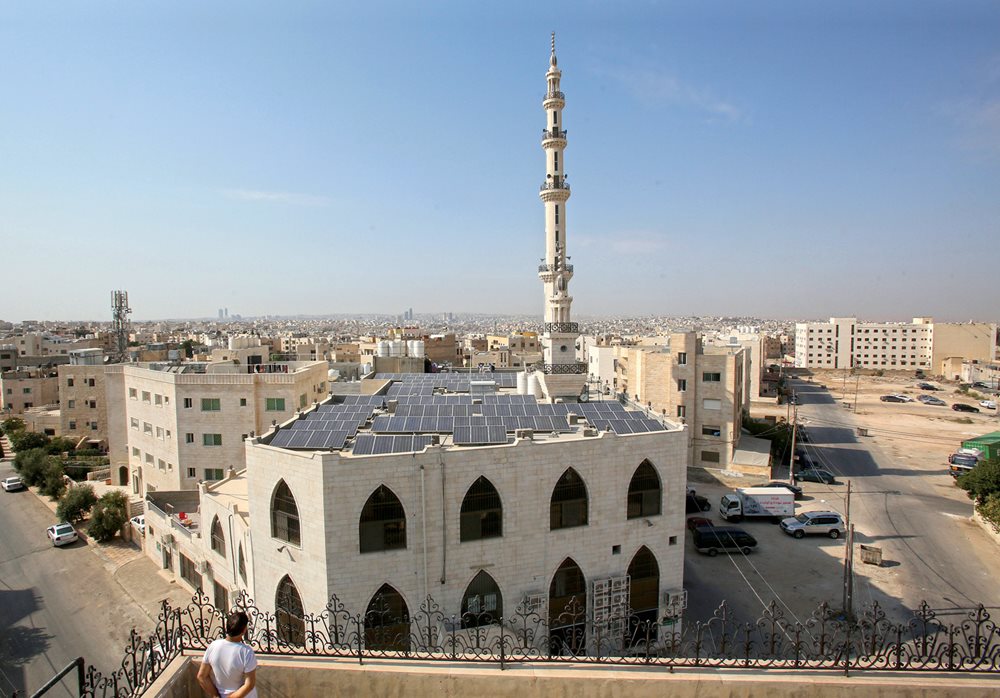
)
(60, 444)
(76, 504)
(87, 453)
(982, 481)
(108, 516)
(12, 425)
(31, 465)
(53, 483)
(26, 440)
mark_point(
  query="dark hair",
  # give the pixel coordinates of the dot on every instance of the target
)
(236, 623)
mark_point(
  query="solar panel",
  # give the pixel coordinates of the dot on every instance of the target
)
(480, 435)
(620, 426)
(370, 444)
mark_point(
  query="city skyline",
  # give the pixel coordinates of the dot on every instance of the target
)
(779, 161)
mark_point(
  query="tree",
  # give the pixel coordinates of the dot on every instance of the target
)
(60, 444)
(188, 346)
(53, 479)
(12, 425)
(108, 516)
(31, 465)
(981, 481)
(25, 440)
(76, 504)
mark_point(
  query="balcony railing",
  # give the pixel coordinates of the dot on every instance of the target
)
(564, 369)
(548, 133)
(555, 95)
(554, 184)
(562, 327)
(554, 267)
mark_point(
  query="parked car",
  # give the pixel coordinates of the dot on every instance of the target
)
(794, 489)
(139, 523)
(827, 523)
(895, 398)
(988, 404)
(62, 534)
(695, 503)
(982, 386)
(12, 484)
(816, 475)
(694, 522)
(712, 540)
(962, 407)
(931, 400)
(927, 386)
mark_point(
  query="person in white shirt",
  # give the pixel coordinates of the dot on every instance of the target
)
(229, 669)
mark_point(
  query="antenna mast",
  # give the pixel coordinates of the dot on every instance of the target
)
(120, 326)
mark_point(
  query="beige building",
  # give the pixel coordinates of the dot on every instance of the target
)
(708, 387)
(185, 423)
(23, 389)
(83, 405)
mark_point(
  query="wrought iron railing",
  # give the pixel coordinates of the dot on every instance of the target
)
(562, 327)
(554, 95)
(553, 184)
(826, 641)
(548, 133)
(564, 369)
(555, 267)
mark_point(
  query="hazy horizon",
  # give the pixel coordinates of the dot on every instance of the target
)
(778, 160)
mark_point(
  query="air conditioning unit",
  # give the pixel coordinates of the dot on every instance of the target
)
(590, 431)
(573, 418)
(536, 604)
(524, 433)
(675, 601)
(435, 439)
(391, 406)
(204, 567)
(168, 539)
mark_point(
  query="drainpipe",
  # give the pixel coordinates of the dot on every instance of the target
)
(232, 547)
(423, 524)
(444, 524)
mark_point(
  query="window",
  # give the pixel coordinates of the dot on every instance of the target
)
(92, 404)
(135, 452)
(711, 431)
(682, 385)
(192, 473)
(710, 456)
(161, 464)
(70, 404)
(274, 404)
(158, 400)
(284, 515)
(682, 358)
(221, 597)
(211, 404)
(189, 573)
(211, 439)
(482, 603)
(26, 391)
(681, 411)
(644, 493)
(711, 377)
(241, 564)
(289, 613)
(567, 609)
(188, 403)
(644, 592)
(72, 424)
(568, 505)
(387, 621)
(159, 433)
(218, 540)
(557, 214)
(147, 428)
(711, 404)
(146, 396)
(555, 163)
(213, 474)
(69, 384)
(383, 522)
(189, 438)
(243, 402)
(302, 400)
(134, 423)
(482, 512)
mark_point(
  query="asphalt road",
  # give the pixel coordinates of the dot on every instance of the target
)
(55, 603)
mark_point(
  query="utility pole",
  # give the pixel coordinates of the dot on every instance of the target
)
(791, 457)
(849, 559)
(857, 384)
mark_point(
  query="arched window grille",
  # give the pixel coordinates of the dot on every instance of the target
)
(482, 603)
(285, 515)
(482, 512)
(289, 615)
(218, 539)
(387, 621)
(383, 522)
(568, 506)
(644, 492)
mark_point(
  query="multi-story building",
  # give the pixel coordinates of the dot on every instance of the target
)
(707, 387)
(923, 344)
(83, 412)
(186, 422)
(25, 388)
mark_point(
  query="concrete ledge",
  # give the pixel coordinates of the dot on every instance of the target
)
(986, 526)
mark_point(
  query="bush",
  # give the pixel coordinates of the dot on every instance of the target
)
(53, 483)
(108, 516)
(12, 425)
(982, 481)
(59, 445)
(87, 453)
(26, 440)
(31, 465)
(76, 504)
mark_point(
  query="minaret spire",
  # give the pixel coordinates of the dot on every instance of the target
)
(565, 375)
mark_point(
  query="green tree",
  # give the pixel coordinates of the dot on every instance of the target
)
(108, 516)
(12, 425)
(31, 465)
(188, 346)
(981, 481)
(60, 444)
(25, 440)
(53, 481)
(76, 504)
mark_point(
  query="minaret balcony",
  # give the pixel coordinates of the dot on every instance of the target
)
(553, 96)
(553, 134)
(553, 268)
(554, 184)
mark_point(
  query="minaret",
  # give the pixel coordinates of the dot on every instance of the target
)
(564, 376)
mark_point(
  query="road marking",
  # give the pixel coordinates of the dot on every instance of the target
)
(954, 516)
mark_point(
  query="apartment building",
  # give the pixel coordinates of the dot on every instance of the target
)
(707, 387)
(24, 388)
(845, 343)
(83, 412)
(184, 423)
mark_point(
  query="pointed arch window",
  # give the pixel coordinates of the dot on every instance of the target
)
(482, 512)
(387, 621)
(482, 603)
(644, 492)
(644, 596)
(289, 616)
(568, 609)
(218, 539)
(383, 522)
(568, 506)
(241, 563)
(285, 515)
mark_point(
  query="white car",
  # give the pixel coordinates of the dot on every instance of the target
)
(11, 484)
(139, 523)
(62, 534)
(988, 404)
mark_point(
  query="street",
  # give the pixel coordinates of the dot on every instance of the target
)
(56, 604)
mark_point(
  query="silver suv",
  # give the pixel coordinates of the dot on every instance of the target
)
(826, 522)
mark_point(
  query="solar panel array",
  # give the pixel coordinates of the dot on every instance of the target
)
(372, 444)
(455, 382)
(448, 425)
(310, 439)
(480, 435)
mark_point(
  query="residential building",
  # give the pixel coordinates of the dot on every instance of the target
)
(24, 388)
(83, 413)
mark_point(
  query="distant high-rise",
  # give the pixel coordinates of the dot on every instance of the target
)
(221, 313)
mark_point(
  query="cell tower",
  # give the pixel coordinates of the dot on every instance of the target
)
(120, 326)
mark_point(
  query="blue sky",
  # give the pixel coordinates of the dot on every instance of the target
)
(792, 159)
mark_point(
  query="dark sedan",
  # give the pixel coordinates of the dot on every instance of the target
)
(816, 475)
(962, 407)
(695, 503)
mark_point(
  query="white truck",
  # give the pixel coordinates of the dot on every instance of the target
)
(774, 503)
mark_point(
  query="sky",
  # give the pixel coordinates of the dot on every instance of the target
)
(780, 159)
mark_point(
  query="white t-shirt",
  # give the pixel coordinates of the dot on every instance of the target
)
(230, 661)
